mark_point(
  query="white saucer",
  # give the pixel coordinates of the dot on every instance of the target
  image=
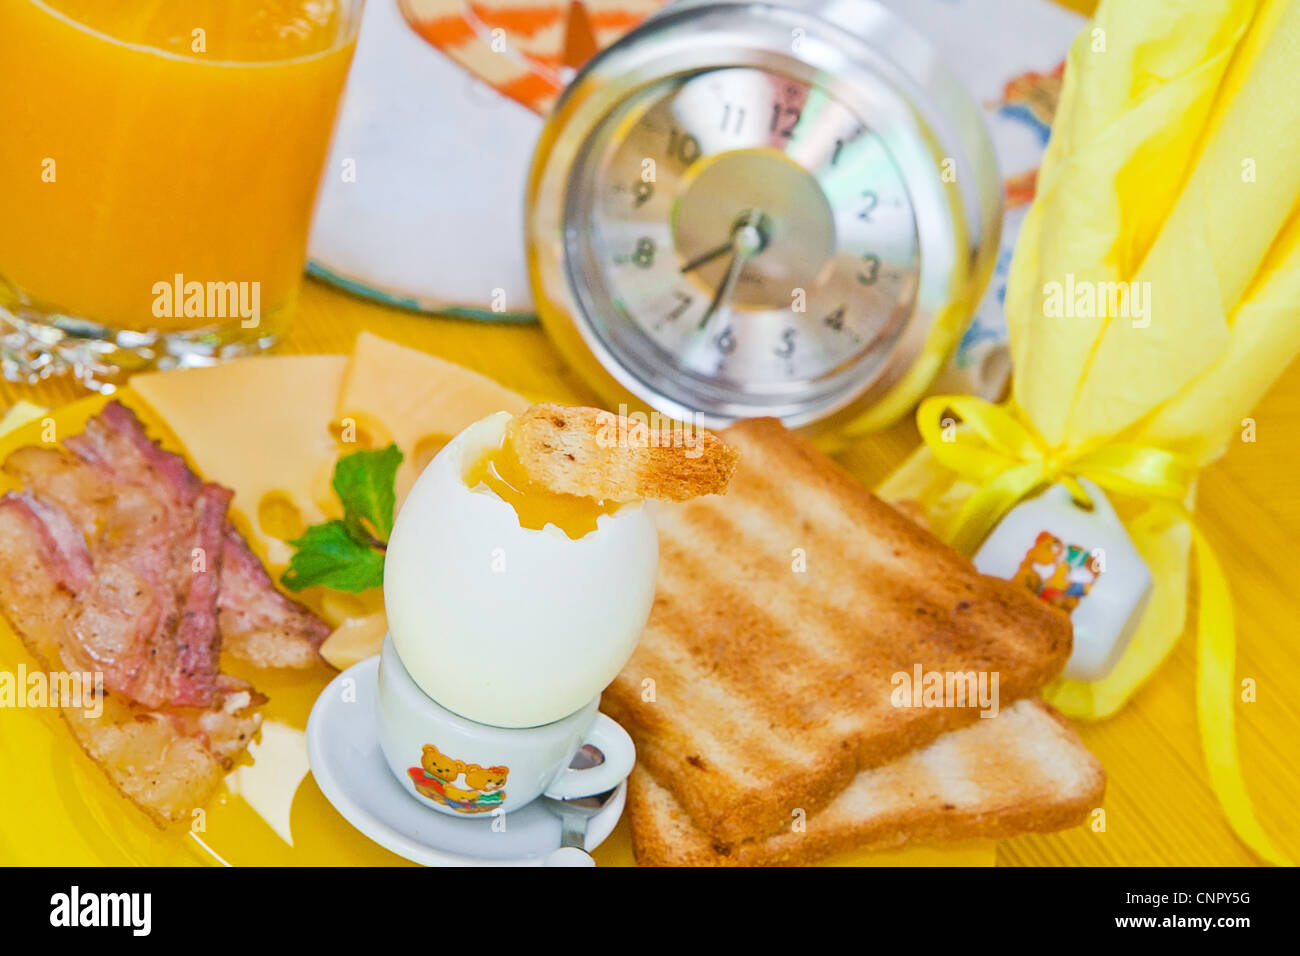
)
(343, 747)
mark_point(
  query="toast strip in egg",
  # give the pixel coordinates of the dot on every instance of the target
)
(596, 454)
(783, 612)
(1024, 771)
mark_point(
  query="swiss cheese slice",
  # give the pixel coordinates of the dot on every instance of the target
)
(392, 393)
(261, 427)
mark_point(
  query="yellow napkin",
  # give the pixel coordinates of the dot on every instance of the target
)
(1171, 165)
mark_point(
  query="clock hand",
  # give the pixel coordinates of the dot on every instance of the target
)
(736, 266)
(707, 257)
(748, 238)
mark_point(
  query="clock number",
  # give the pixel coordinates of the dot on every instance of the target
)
(642, 191)
(840, 143)
(871, 201)
(644, 256)
(732, 120)
(683, 303)
(725, 341)
(786, 349)
(779, 111)
(683, 146)
(836, 320)
(869, 275)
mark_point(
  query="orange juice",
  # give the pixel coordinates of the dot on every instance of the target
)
(157, 146)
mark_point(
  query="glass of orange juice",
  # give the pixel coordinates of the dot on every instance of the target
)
(159, 161)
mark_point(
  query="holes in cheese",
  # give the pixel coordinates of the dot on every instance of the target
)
(359, 431)
(258, 426)
(279, 517)
(393, 393)
(426, 449)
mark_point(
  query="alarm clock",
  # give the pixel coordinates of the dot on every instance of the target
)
(745, 209)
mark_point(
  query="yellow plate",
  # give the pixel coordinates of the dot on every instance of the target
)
(58, 808)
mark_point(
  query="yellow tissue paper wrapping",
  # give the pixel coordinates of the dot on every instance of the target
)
(1171, 165)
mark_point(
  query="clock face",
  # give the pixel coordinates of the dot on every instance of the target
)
(744, 233)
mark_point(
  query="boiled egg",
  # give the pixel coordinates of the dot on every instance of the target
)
(499, 614)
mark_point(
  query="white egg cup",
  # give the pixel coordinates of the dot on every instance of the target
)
(464, 768)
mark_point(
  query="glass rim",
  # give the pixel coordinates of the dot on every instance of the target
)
(346, 36)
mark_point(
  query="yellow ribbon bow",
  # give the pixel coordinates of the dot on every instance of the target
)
(1007, 460)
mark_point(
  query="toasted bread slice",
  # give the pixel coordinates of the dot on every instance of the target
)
(589, 452)
(1024, 771)
(784, 610)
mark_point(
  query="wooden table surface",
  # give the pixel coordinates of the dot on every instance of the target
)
(1158, 807)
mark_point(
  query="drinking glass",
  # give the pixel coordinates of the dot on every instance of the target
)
(159, 161)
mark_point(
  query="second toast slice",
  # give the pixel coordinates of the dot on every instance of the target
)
(785, 609)
(1024, 771)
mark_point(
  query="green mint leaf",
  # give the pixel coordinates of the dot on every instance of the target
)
(329, 556)
(348, 554)
(364, 481)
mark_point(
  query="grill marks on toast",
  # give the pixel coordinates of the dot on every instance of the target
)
(683, 748)
(710, 558)
(929, 580)
(777, 683)
(1022, 771)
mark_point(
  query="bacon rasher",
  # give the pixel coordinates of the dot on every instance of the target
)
(117, 559)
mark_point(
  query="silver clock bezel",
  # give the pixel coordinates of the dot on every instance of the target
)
(874, 64)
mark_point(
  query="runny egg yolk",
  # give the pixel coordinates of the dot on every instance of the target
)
(537, 506)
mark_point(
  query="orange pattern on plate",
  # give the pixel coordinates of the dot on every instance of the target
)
(525, 50)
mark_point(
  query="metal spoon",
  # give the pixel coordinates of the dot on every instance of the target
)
(575, 814)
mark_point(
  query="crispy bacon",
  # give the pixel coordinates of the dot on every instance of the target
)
(198, 639)
(124, 621)
(145, 608)
(117, 559)
(166, 759)
(258, 623)
(33, 584)
(80, 492)
(115, 443)
(59, 544)
(149, 621)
